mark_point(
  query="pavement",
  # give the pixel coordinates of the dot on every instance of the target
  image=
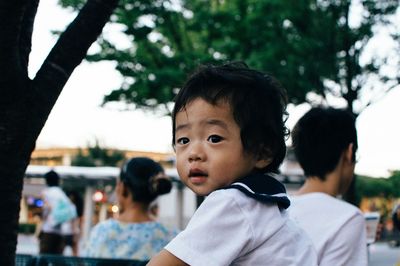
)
(380, 253)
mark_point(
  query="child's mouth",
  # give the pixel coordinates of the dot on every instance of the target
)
(197, 177)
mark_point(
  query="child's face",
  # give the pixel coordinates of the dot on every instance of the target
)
(209, 150)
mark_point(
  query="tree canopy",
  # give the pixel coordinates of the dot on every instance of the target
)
(379, 187)
(310, 46)
(95, 155)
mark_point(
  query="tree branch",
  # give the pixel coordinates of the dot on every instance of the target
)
(379, 97)
(25, 40)
(71, 49)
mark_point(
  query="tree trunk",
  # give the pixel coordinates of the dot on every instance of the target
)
(25, 104)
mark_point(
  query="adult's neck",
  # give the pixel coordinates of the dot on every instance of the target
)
(134, 213)
(329, 185)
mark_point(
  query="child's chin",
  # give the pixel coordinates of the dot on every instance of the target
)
(201, 192)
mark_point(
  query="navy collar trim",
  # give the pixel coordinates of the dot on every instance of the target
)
(264, 188)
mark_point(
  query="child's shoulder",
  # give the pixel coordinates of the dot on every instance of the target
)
(236, 200)
(262, 219)
(228, 195)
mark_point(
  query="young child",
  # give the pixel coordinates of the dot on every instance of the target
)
(229, 137)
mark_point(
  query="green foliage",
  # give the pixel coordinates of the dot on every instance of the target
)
(308, 45)
(394, 179)
(379, 187)
(97, 156)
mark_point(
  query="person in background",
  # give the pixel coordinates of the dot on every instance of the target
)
(50, 237)
(325, 144)
(71, 230)
(229, 137)
(134, 234)
(396, 226)
(396, 217)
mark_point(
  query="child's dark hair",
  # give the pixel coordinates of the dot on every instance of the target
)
(320, 137)
(138, 174)
(52, 178)
(258, 104)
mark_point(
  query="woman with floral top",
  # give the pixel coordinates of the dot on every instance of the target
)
(134, 234)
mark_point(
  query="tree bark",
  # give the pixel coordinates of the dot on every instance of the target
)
(25, 104)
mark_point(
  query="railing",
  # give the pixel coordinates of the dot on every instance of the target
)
(56, 260)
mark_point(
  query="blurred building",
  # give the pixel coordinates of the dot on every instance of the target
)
(64, 156)
(96, 185)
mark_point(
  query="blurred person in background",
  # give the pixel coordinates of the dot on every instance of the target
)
(57, 209)
(71, 230)
(396, 217)
(325, 144)
(134, 234)
(396, 225)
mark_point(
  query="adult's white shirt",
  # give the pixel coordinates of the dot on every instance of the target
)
(336, 227)
(230, 228)
(52, 195)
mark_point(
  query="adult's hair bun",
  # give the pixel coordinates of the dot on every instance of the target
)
(162, 186)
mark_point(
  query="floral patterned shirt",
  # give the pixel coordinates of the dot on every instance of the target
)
(115, 239)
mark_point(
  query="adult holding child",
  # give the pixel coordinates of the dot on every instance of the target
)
(325, 144)
(134, 234)
(229, 138)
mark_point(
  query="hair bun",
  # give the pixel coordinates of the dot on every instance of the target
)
(162, 186)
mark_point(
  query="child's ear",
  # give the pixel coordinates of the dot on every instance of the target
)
(264, 158)
(262, 163)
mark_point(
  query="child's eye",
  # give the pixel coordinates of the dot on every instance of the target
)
(182, 141)
(214, 138)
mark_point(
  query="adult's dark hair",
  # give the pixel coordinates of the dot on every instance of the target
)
(258, 104)
(320, 137)
(76, 199)
(52, 178)
(138, 174)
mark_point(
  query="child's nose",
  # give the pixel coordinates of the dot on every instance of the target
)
(196, 153)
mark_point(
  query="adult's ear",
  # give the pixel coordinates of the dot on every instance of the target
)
(121, 189)
(348, 154)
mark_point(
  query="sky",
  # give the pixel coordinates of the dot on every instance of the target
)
(78, 120)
